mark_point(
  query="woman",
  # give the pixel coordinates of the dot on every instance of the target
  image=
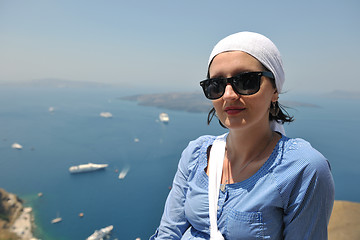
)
(253, 182)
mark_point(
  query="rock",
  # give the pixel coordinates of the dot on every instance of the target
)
(345, 221)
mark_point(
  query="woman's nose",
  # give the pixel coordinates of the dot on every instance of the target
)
(229, 93)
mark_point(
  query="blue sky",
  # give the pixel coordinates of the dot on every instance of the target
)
(166, 44)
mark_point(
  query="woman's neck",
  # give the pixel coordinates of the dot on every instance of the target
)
(245, 144)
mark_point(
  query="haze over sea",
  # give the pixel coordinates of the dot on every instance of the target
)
(74, 133)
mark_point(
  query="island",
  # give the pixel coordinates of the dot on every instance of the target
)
(189, 101)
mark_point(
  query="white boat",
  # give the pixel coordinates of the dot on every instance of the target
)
(87, 167)
(124, 172)
(100, 234)
(164, 117)
(106, 114)
(51, 109)
(16, 146)
(56, 220)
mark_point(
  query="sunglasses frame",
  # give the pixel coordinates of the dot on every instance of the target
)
(231, 81)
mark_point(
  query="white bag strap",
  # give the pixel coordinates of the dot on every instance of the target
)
(216, 161)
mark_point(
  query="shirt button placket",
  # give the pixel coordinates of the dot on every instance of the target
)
(222, 196)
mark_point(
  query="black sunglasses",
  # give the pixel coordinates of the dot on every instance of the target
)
(246, 83)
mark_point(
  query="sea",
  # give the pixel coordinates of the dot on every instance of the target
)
(134, 139)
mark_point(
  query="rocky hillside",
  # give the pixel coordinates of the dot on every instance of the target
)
(10, 209)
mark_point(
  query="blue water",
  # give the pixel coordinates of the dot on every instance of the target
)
(75, 134)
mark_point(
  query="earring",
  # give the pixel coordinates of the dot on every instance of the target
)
(274, 109)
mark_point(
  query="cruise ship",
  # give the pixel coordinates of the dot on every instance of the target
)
(87, 167)
(100, 234)
(164, 117)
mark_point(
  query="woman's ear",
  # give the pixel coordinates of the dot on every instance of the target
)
(275, 96)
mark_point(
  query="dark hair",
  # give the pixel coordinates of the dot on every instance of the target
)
(211, 115)
(283, 116)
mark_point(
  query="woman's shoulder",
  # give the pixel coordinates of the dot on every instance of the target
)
(203, 141)
(300, 147)
(300, 170)
(298, 152)
(196, 150)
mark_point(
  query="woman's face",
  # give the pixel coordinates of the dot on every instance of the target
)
(241, 111)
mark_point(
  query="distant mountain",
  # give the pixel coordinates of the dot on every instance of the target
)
(55, 83)
(190, 102)
(294, 104)
(343, 94)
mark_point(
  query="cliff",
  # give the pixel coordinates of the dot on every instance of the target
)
(15, 220)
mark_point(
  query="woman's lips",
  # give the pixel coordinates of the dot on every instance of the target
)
(233, 110)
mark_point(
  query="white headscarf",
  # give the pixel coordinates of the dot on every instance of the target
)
(261, 48)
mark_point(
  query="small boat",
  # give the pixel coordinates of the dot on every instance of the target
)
(51, 109)
(16, 146)
(57, 219)
(100, 234)
(87, 167)
(81, 214)
(124, 172)
(164, 117)
(106, 114)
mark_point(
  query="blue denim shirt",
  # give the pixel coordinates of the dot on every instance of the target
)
(289, 197)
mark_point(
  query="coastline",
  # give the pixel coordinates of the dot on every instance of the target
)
(24, 225)
(17, 221)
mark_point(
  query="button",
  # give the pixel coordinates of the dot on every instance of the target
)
(222, 187)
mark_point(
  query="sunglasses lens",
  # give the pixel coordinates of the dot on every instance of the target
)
(247, 84)
(214, 88)
(243, 84)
